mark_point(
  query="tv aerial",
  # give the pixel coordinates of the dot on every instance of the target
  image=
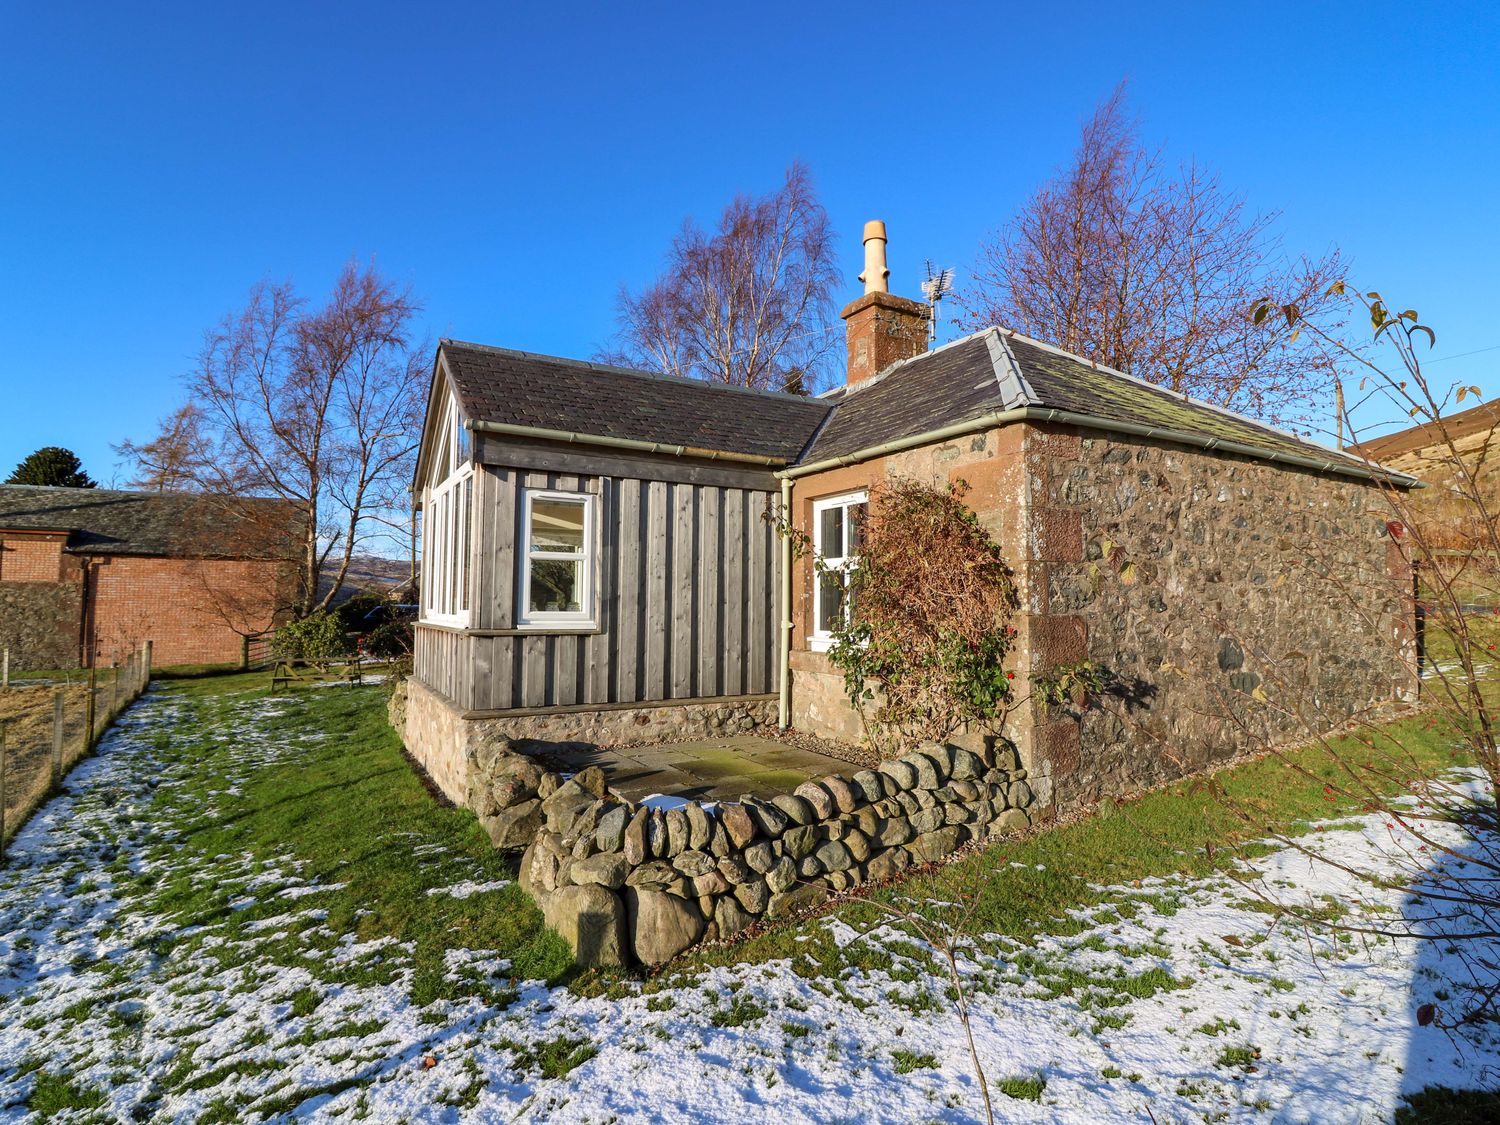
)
(938, 285)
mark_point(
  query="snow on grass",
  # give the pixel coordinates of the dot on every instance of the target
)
(1182, 995)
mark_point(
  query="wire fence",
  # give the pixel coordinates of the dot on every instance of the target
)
(49, 720)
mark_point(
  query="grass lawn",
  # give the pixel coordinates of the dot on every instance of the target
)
(248, 905)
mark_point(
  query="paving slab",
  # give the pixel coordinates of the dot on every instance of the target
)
(719, 769)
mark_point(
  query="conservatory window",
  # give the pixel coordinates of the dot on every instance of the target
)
(557, 571)
(836, 534)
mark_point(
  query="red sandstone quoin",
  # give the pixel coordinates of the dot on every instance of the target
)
(87, 575)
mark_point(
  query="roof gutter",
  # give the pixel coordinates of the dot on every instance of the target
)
(543, 434)
(1089, 421)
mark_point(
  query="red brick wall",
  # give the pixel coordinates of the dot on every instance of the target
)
(31, 558)
(190, 609)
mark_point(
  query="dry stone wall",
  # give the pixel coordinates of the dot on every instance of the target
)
(625, 882)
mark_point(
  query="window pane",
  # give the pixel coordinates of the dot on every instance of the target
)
(831, 541)
(856, 513)
(830, 602)
(556, 585)
(557, 525)
(463, 545)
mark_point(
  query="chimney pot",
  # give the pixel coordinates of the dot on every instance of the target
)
(881, 328)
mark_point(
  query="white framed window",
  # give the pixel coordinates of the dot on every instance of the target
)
(836, 536)
(557, 560)
(447, 515)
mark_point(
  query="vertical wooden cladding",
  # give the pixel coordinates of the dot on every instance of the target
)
(685, 591)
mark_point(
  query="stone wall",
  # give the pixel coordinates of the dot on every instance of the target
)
(1234, 603)
(40, 624)
(626, 883)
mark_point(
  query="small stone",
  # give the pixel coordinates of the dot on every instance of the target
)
(514, 828)
(800, 841)
(782, 876)
(833, 855)
(966, 790)
(933, 846)
(524, 876)
(966, 764)
(592, 780)
(584, 847)
(677, 831)
(760, 857)
(842, 793)
(753, 895)
(858, 844)
(607, 869)
(735, 869)
(926, 820)
(656, 873)
(692, 864)
(737, 822)
(894, 832)
(1012, 820)
(926, 772)
(799, 898)
(900, 771)
(549, 785)
(588, 821)
(797, 810)
(708, 884)
(809, 867)
(699, 828)
(818, 797)
(661, 925)
(1020, 795)
(768, 818)
(908, 801)
(841, 880)
(637, 846)
(592, 921)
(957, 813)
(867, 820)
(610, 835)
(656, 833)
(867, 784)
(888, 864)
(731, 917)
(945, 793)
(718, 840)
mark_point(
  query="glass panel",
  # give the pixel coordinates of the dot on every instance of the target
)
(856, 513)
(831, 540)
(830, 602)
(556, 585)
(463, 546)
(557, 525)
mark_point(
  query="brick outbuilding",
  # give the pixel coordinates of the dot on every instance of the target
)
(87, 574)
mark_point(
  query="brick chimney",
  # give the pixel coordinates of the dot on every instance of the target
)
(881, 327)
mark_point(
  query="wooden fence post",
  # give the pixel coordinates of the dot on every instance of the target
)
(89, 707)
(2, 791)
(57, 738)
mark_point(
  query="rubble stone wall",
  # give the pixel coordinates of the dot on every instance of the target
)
(626, 882)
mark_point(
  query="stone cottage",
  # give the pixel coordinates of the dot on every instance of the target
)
(597, 566)
(88, 574)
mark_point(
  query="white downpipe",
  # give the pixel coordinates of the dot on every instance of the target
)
(784, 701)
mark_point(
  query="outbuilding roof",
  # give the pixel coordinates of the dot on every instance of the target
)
(102, 521)
(547, 393)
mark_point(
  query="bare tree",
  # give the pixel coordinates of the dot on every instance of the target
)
(750, 305)
(1150, 270)
(317, 406)
(171, 461)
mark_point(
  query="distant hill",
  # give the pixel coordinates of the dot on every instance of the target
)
(368, 573)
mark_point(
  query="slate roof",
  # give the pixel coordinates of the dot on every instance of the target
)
(996, 370)
(545, 392)
(103, 521)
(989, 372)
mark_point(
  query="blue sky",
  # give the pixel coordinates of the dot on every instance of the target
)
(517, 165)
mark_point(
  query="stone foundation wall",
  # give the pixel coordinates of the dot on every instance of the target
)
(446, 742)
(626, 883)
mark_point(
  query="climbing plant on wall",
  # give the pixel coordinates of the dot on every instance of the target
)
(929, 623)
